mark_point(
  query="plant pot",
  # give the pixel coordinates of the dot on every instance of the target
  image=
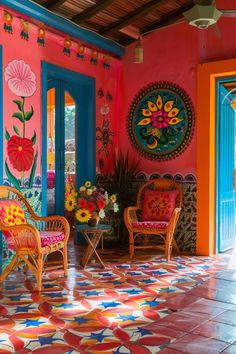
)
(94, 220)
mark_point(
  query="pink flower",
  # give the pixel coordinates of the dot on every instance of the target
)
(20, 78)
(160, 119)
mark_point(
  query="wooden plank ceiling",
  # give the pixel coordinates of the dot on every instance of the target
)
(120, 20)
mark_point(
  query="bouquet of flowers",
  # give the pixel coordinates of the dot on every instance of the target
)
(89, 201)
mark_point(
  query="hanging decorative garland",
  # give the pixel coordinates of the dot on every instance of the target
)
(160, 121)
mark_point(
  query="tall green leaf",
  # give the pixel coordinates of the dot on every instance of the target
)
(33, 139)
(16, 130)
(7, 135)
(19, 104)
(29, 114)
(32, 173)
(18, 116)
(12, 179)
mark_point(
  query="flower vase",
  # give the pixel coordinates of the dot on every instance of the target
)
(94, 220)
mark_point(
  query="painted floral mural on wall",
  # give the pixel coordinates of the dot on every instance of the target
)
(20, 148)
(160, 121)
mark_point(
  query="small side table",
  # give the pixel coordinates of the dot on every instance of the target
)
(92, 235)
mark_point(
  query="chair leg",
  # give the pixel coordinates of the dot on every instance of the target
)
(38, 272)
(65, 261)
(168, 246)
(175, 246)
(131, 244)
(11, 266)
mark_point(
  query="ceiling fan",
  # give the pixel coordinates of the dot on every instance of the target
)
(204, 14)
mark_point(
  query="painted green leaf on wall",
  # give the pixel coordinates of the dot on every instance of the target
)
(29, 114)
(7, 135)
(33, 139)
(18, 116)
(32, 173)
(16, 130)
(19, 104)
(12, 179)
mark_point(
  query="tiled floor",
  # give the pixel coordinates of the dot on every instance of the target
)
(142, 306)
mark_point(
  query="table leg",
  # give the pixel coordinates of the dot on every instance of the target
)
(91, 248)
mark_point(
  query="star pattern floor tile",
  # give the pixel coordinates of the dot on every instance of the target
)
(118, 310)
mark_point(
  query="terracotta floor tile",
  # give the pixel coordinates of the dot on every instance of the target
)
(180, 301)
(217, 330)
(195, 344)
(230, 350)
(228, 317)
(181, 321)
(214, 303)
(201, 308)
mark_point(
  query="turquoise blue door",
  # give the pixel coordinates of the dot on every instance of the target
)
(225, 170)
(68, 149)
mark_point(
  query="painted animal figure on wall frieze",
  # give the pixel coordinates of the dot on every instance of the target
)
(20, 149)
(161, 121)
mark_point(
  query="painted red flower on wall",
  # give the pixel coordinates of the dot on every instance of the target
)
(22, 156)
(20, 152)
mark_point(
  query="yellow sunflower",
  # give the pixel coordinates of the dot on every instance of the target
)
(70, 203)
(113, 198)
(83, 215)
(88, 184)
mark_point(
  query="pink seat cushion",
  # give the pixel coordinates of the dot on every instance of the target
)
(150, 224)
(49, 237)
(46, 237)
(158, 205)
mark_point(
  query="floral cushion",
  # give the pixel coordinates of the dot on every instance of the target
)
(150, 224)
(11, 213)
(158, 205)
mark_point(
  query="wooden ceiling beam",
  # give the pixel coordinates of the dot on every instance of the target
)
(164, 21)
(131, 17)
(92, 11)
(53, 4)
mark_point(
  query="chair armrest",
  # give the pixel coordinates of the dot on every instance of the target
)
(174, 219)
(130, 215)
(53, 223)
(22, 236)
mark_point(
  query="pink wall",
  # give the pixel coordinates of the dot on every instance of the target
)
(14, 47)
(173, 54)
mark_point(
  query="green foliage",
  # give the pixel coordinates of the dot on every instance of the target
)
(120, 182)
(12, 179)
(16, 130)
(32, 174)
(33, 139)
(7, 135)
(20, 104)
(18, 116)
(29, 114)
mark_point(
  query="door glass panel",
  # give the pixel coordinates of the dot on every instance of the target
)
(70, 151)
(51, 151)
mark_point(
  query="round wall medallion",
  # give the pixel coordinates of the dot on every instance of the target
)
(161, 121)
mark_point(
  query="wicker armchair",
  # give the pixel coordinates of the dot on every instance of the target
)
(32, 238)
(142, 233)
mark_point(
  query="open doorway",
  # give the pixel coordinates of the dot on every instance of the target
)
(225, 164)
(68, 141)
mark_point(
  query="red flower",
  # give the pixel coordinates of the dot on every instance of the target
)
(82, 203)
(101, 203)
(20, 152)
(91, 206)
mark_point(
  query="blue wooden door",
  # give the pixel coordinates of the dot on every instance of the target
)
(225, 171)
(80, 90)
